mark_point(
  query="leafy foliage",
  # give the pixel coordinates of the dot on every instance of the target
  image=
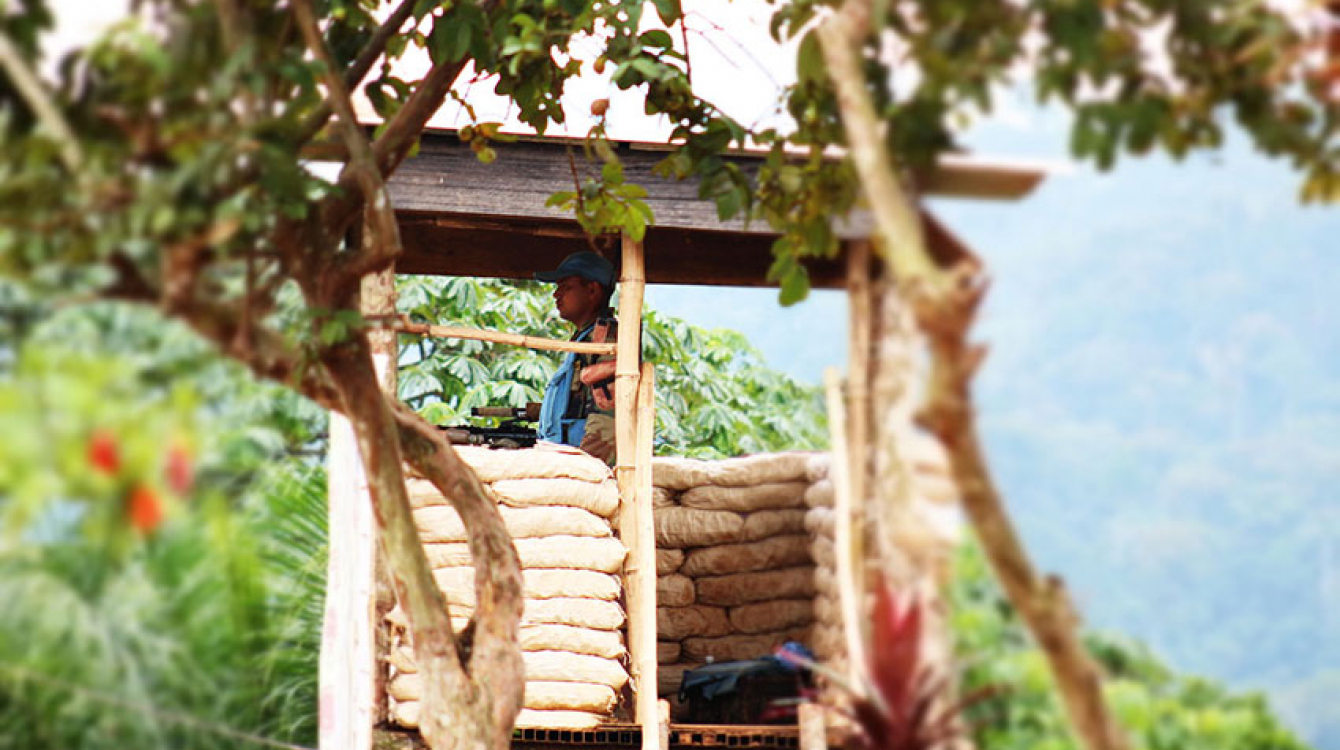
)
(1160, 709)
(715, 396)
(178, 634)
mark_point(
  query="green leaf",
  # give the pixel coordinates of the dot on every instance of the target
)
(657, 38)
(728, 204)
(669, 11)
(810, 67)
(795, 286)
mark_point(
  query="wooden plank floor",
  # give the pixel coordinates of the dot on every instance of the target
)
(621, 736)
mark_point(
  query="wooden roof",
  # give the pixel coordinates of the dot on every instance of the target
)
(460, 217)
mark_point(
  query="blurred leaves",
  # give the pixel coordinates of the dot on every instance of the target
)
(123, 627)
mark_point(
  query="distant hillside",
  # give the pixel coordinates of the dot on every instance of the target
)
(1162, 406)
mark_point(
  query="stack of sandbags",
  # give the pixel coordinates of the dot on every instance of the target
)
(827, 642)
(735, 573)
(931, 531)
(558, 504)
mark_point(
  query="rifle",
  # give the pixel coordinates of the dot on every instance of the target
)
(513, 433)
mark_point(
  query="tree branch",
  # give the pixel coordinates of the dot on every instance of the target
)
(360, 66)
(898, 224)
(30, 88)
(384, 244)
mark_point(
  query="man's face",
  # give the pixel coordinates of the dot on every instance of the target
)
(577, 299)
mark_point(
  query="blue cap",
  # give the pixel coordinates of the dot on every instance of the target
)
(586, 265)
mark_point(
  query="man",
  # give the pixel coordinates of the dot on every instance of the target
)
(578, 406)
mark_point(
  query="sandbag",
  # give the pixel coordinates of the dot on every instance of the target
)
(540, 694)
(562, 666)
(674, 591)
(600, 498)
(682, 473)
(746, 499)
(744, 588)
(457, 584)
(668, 561)
(736, 647)
(669, 677)
(405, 713)
(407, 686)
(819, 494)
(570, 696)
(440, 523)
(402, 658)
(817, 467)
(576, 552)
(766, 617)
(828, 610)
(676, 623)
(825, 582)
(763, 524)
(768, 554)
(826, 641)
(695, 527)
(423, 493)
(532, 719)
(820, 521)
(544, 460)
(607, 644)
(822, 550)
(582, 613)
(546, 637)
(667, 652)
(662, 497)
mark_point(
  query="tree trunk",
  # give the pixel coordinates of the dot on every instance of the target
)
(474, 697)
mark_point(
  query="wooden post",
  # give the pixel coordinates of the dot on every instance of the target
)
(813, 727)
(842, 536)
(347, 682)
(639, 578)
(859, 298)
(644, 568)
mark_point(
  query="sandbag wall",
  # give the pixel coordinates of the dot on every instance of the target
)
(826, 638)
(936, 533)
(735, 574)
(557, 504)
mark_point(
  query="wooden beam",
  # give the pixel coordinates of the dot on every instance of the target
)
(502, 337)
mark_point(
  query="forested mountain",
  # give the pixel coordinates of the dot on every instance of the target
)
(1162, 404)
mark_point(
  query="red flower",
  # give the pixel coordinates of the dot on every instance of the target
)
(144, 508)
(180, 474)
(103, 453)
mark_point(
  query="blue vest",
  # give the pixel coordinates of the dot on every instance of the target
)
(554, 426)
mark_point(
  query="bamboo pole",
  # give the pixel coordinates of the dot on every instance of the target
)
(502, 337)
(860, 446)
(639, 582)
(644, 566)
(842, 536)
